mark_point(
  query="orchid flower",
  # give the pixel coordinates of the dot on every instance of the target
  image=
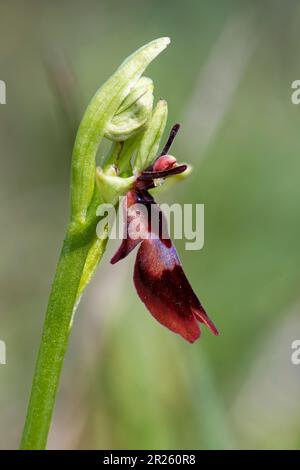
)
(121, 111)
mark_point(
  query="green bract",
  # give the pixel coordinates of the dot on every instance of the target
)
(150, 142)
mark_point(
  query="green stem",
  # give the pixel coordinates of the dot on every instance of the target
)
(55, 338)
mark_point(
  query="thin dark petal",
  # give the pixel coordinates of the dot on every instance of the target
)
(171, 137)
(163, 287)
(146, 175)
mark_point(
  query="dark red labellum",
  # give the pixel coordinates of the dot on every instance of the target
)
(158, 275)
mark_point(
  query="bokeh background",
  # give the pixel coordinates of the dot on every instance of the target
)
(128, 382)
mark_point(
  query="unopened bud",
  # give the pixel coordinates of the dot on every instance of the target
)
(152, 136)
(133, 113)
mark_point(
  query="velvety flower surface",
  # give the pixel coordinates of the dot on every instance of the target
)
(158, 275)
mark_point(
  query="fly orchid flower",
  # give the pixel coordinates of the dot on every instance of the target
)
(158, 275)
(121, 111)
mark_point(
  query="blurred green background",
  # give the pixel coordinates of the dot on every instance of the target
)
(128, 382)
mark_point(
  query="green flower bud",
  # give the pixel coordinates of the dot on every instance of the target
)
(98, 116)
(150, 141)
(133, 113)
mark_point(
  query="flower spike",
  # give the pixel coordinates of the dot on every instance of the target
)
(158, 275)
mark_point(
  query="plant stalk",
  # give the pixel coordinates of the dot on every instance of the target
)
(55, 338)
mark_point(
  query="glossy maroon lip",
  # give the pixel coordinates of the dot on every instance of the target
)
(158, 275)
